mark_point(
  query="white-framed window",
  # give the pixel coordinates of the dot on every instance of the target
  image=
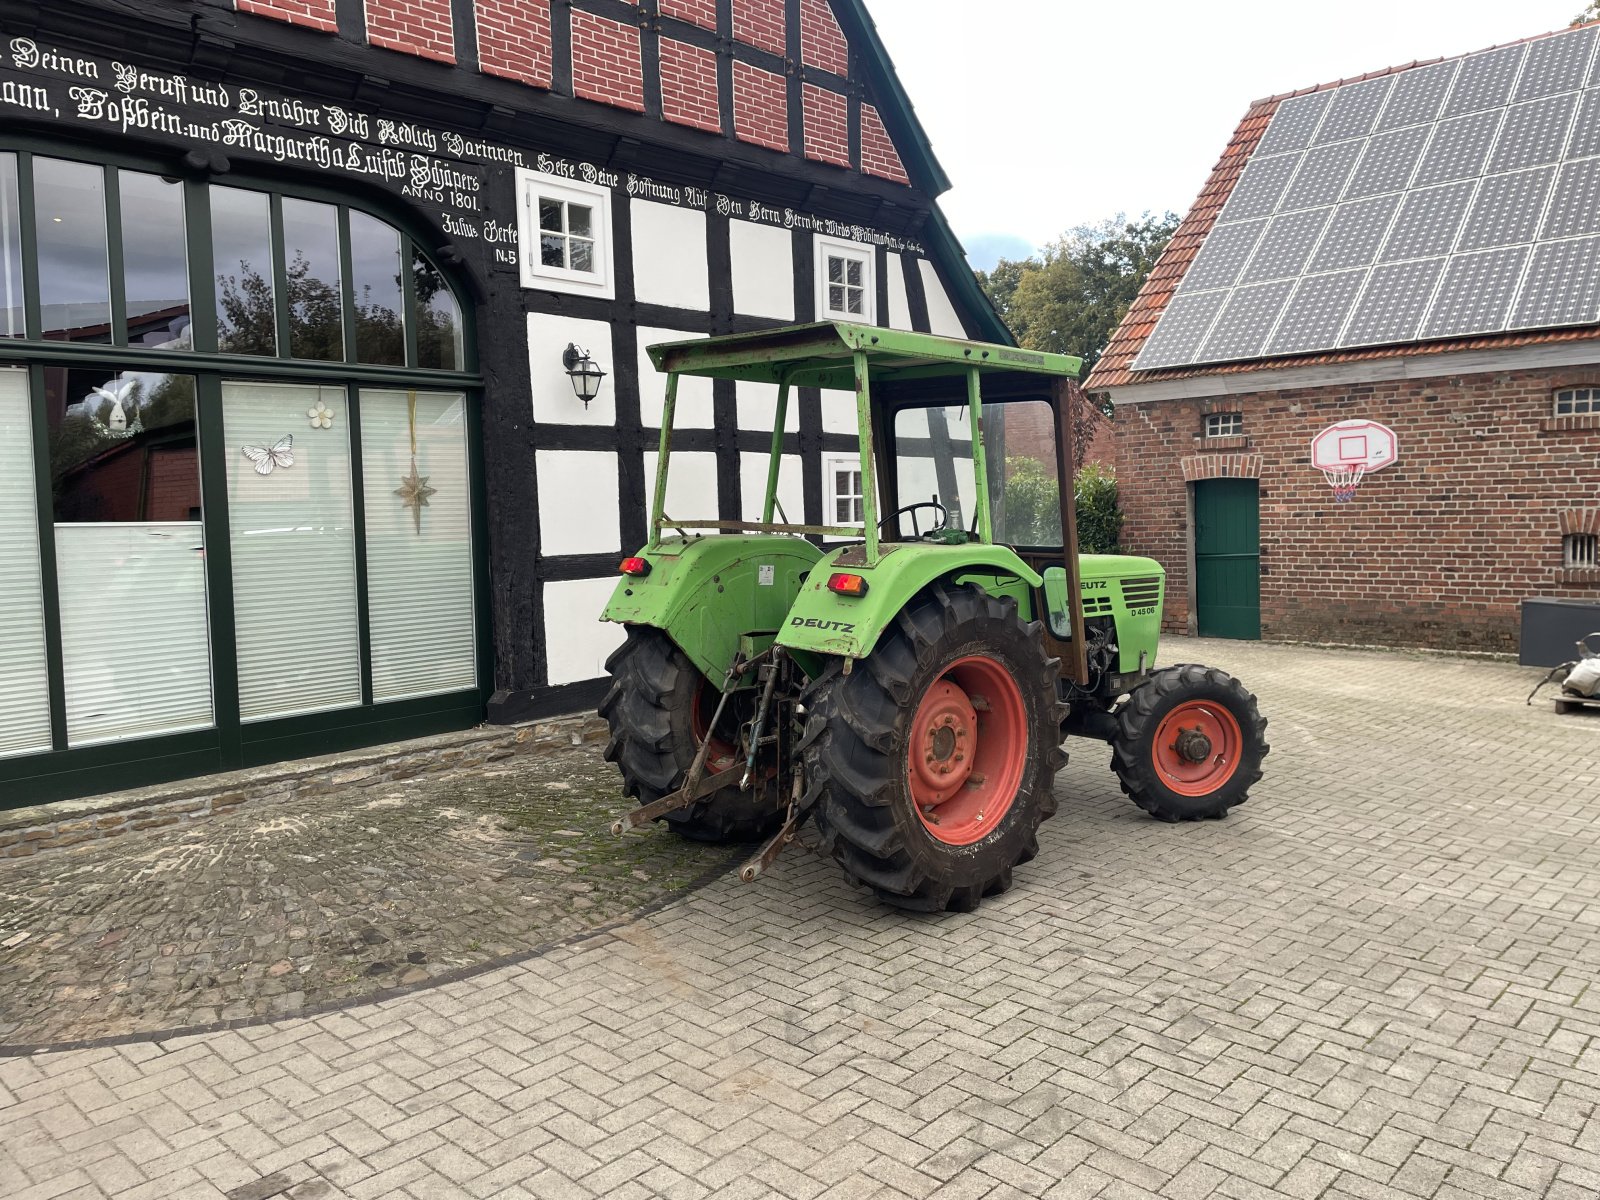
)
(564, 236)
(847, 286)
(843, 486)
(1220, 425)
(1581, 550)
(1577, 402)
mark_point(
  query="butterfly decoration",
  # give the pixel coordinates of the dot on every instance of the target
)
(269, 458)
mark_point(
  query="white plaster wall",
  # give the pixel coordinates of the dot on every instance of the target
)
(669, 256)
(577, 642)
(578, 510)
(942, 317)
(695, 407)
(839, 412)
(763, 270)
(552, 398)
(691, 485)
(758, 407)
(899, 304)
(753, 487)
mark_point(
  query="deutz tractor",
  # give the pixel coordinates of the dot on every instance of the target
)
(903, 675)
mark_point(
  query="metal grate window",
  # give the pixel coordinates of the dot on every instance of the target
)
(1581, 550)
(1219, 425)
(1573, 402)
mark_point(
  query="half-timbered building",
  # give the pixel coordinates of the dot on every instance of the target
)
(325, 411)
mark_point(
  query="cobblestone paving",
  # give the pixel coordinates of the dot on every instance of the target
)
(1374, 980)
(281, 906)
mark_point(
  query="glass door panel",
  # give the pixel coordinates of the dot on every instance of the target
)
(419, 543)
(292, 526)
(25, 697)
(130, 554)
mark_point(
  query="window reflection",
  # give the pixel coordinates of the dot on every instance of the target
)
(375, 266)
(155, 262)
(438, 317)
(122, 445)
(11, 310)
(316, 299)
(70, 217)
(1024, 482)
(241, 241)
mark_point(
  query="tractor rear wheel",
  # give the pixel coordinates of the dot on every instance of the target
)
(659, 708)
(933, 760)
(1189, 743)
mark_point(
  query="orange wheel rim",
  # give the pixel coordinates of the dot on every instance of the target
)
(1197, 748)
(724, 754)
(967, 751)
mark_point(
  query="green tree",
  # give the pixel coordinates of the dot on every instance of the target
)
(1590, 13)
(1069, 298)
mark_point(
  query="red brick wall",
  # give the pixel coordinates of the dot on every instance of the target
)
(1436, 550)
(878, 155)
(605, 61)
(759, 23)
(514, 39)
(821, 40)
(826, 117)
(760, 107)
(701, 12)
(689, 85)
(318, 14)
(420, 27)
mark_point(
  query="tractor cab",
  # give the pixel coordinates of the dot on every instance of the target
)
(900, 662)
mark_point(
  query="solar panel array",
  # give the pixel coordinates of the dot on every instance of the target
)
(1454, 199)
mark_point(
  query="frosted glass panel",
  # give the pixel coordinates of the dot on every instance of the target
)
(419, 555)
(293, 541)
(25, 696)
(133, 628)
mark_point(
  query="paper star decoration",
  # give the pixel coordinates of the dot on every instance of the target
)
(414, 492)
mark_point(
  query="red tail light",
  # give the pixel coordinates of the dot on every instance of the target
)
(847, 585)
(636, 567)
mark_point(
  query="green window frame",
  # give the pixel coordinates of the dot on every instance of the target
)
(63, 771)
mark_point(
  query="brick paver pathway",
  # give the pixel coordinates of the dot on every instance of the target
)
(1374, 980)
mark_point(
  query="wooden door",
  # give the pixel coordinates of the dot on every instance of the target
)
(1227, 558)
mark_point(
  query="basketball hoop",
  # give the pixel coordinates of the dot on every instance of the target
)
(1347, 451)
(1344, 481)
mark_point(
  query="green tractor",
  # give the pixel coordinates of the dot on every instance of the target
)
(904, 676)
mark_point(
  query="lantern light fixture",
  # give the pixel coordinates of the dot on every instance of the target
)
(584, 372)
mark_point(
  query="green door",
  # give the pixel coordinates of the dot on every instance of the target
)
(1227, 558)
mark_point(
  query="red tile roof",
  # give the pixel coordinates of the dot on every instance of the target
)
(1115, 366)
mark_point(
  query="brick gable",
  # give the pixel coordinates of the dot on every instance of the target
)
(698, 12)
(827, 116)
(822, 42)
(878, 155)
(514, 40)
(760, 107)
(421, 27)
(689, 86)
(605, 61)
(314, 14)
(760, 23)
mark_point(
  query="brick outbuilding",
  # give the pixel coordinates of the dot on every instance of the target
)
(1490, 384)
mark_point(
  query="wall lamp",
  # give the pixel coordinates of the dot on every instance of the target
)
(584, 372)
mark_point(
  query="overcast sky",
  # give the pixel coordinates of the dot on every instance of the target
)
(1053, 113)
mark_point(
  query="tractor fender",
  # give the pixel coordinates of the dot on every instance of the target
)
(824, 622)
(706, 593)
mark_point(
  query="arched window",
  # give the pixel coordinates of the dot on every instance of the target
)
(237, 476)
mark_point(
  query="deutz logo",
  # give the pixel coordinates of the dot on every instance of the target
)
(813, 623)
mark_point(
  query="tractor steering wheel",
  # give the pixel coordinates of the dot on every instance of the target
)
(916, 533)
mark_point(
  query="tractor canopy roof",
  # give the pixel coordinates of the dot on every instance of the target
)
(822, 356)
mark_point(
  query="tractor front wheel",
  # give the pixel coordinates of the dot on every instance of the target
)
(659, 708)
(1189, 744)
(933, 760)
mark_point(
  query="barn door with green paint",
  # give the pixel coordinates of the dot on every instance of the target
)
(1227, 554)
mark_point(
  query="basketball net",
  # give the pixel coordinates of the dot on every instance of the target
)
(1344, 481)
